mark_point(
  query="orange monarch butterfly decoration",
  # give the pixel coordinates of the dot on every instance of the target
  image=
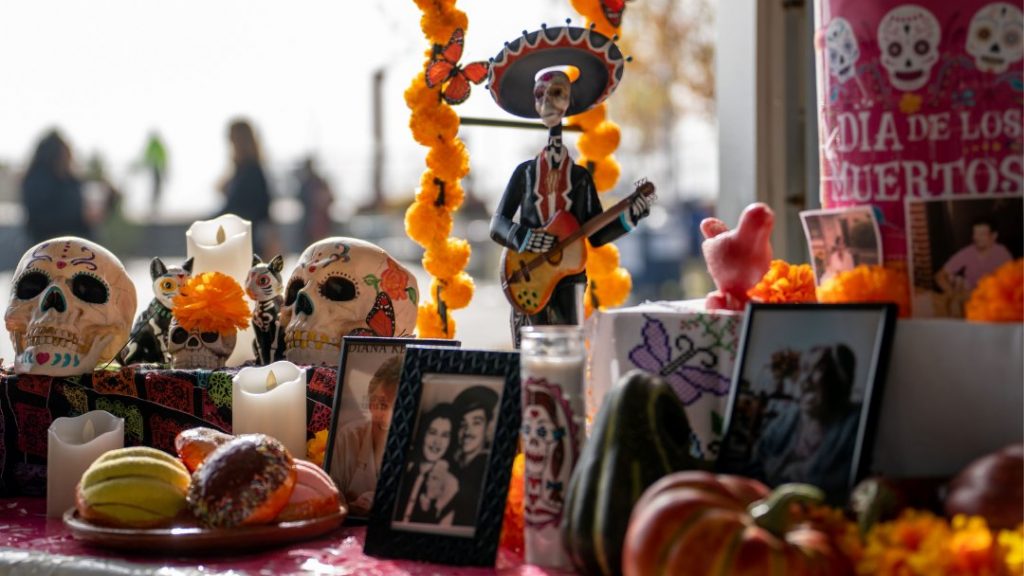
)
(444, 67)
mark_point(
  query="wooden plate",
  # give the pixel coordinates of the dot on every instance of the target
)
(195, 539)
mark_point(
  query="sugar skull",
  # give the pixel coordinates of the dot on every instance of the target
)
(549, 449)
(842, 48)
(344, 286)
(994, 38)
(908, 38)
(71, 307)
(193, 349)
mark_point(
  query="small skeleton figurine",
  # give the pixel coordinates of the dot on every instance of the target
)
(148, 342)
(549, 196)
(264, 287)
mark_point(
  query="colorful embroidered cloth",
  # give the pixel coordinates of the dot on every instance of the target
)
(156, 404)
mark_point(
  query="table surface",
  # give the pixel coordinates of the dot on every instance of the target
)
(37, 544)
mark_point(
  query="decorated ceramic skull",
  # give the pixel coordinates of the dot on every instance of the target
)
(842, 48)
(71, 307)
(908, 37)
(994, 38)
(192, 349)
(344, 286)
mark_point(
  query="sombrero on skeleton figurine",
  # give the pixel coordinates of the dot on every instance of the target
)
(513, 71)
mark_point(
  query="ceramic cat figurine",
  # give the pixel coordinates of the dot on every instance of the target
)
(265, 287)
(148, 341)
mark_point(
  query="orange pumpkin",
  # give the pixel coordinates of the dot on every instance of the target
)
(699, 523)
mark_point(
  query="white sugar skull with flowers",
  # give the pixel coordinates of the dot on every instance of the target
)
(70, 309)
(344, 286)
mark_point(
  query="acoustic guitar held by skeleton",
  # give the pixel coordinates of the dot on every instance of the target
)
(528, 278)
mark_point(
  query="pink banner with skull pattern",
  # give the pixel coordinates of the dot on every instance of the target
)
(918, 100)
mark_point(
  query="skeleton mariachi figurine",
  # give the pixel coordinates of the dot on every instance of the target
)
(543, 275)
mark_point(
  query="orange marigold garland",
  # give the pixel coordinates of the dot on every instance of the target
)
(316, 447)
(999, 297)
(785, 282)
(867, 284)
(608, 284)
(428, 221)
(212, 302)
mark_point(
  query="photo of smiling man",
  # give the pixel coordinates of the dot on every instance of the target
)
(446, 465)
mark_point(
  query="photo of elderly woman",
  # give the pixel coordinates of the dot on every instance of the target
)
(446, 465)
(808, 379)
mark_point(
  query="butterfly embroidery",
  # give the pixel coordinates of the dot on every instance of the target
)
(613, 10)
(444, 67)
(381, 319)
(690, 382)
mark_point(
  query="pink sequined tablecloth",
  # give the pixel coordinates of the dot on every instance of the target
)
(33, 543)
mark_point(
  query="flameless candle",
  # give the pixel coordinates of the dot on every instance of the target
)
(224, 245)
(551, 368)
(74, 443)
(271, 400)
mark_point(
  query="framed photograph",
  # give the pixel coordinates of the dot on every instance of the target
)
(443, 484)
(806, 394)
(369, 370)
(841, 240)
(954, 242)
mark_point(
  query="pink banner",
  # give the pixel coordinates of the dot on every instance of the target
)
(918, 100)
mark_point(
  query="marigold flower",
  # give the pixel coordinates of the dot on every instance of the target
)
(514, 524)
(428, 322)
(999, 297)
(600, 141)
(867, 284)
(316, 447)
(212, 302)
(606, 172)
(785, 282)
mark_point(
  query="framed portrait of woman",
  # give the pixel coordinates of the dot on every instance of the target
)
(806, 394)
(369, 370)
(444, 480)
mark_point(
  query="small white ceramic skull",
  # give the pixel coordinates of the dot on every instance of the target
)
(908, 37)
(71, 307)
(192, 349)
(994, 38)
(551, 96)
(344, 286)
(843, 50)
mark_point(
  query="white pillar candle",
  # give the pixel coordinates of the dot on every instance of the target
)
(224, 245)
(271, 400)
(74, 443)
(551, 368)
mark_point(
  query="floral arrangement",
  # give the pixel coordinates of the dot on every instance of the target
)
(785, 282)
(212, 302)
(999, 297)
(428, 221)
(316, 447)
(920, 543)
(608, 284)
(868, 284)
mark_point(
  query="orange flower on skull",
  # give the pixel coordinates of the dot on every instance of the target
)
(394, 280)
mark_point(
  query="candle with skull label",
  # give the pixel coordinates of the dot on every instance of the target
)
(551, 365)
(224, 245)
(74, 443)
(271, 400)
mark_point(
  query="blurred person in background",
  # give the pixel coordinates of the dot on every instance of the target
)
(247, 191)
(154, 160)
(316, 197)
(52, 194)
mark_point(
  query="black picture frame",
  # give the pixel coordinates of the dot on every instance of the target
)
(366, 353)
(435, 374)
(802, 367)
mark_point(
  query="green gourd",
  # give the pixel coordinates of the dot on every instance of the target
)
(641, 433)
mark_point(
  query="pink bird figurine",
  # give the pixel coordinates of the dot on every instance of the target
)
(737, 259)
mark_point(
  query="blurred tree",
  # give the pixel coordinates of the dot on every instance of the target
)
(672, 73)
